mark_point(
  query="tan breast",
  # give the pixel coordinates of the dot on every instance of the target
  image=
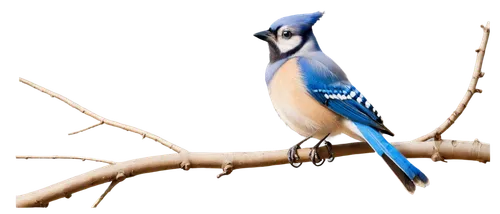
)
(301, 112)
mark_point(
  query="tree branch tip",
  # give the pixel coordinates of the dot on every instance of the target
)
(481, 74)
(478, 90)
(487, 27)
(477, 50)
(68, 195)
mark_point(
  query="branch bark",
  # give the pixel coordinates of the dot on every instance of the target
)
(451, 149)
(471, 90)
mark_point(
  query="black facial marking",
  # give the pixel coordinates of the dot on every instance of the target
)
(275, 31)
(294, 50)
(274, 52)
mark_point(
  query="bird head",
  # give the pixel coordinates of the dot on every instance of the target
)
(290, 35)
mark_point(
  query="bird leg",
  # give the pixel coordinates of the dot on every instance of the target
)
(314, 155)
(293, 155)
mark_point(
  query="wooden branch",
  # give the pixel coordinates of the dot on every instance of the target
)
(72, 133)
(63, 157)
(450, 149)
(102, 119)
(471, 90)
(120, 177)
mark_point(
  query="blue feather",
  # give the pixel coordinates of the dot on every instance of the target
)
(382, 147)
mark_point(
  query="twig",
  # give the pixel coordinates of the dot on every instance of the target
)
(72, 133)
(108, 189)
(102, 119)
(63, 157)
(471, 90)
(120, 177)
(450, 149)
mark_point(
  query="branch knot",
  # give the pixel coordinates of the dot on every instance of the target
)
(476, 149)
(482, 75)
(120, 177)
(185, 164)
(479, 50)
(41, 203)
(227, 166)
(436, 156)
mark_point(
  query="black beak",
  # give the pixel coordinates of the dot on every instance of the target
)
(263, 35)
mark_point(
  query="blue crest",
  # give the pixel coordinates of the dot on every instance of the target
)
(300, 21)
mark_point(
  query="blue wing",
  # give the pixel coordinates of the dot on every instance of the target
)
(330, 87)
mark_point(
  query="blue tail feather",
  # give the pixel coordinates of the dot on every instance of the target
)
(382, 147)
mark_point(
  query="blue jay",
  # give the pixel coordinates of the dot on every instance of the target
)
(313, 96)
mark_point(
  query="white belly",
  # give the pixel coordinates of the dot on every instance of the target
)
(301, 112)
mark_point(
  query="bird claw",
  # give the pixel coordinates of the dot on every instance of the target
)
(293, 156)
(331, 158)
(314, 155)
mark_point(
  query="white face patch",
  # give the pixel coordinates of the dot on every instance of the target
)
(287, 44)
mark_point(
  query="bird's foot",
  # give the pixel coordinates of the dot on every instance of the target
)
(293, 156)
(330, 151)
(314, 154)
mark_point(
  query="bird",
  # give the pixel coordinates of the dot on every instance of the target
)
(314, 97)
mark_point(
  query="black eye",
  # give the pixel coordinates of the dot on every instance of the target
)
(286, 34)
